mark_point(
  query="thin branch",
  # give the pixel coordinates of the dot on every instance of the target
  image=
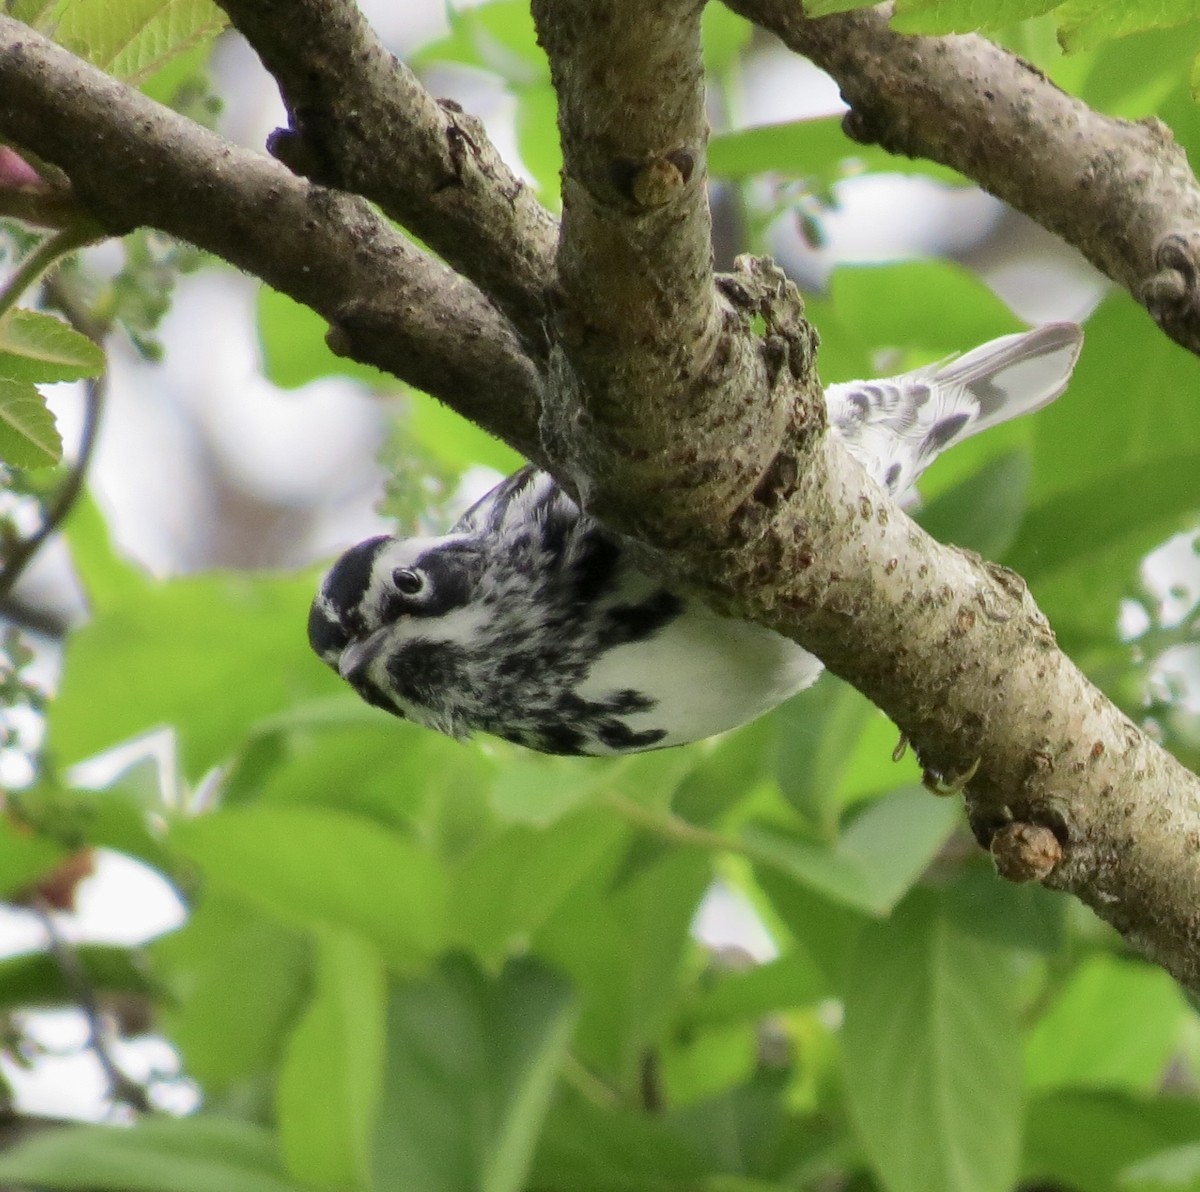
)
(51, 250)
(43, 208)
(121, 1087)
(68, 493)
(591, 1087)
(361, 120)
(1121, 192)
(133, 162)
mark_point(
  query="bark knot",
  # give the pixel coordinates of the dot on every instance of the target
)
(1172, 293)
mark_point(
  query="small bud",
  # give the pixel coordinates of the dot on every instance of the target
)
(1025, 852)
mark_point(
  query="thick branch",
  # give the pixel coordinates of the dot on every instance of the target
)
(704, 403)
(132, 162)
(1121, 192)
(954, 650)
(640, 322)
(361, 121)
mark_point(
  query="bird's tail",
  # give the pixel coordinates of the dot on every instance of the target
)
(897, 426)
(1010, 376)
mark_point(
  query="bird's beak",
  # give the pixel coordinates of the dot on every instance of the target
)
(356, 658)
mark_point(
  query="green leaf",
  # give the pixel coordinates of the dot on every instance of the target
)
(731, 995)
(933, 1067)
(817, 732)
(724, 36)
(40, 348)
(624, 947)
(329, 1085)
(706, 1063)
(292, 339)
(823, 8)
(875, 860)
(537, 790)
(983, 512)
(957, 312)
(1025, 917)
(1085, 24)
(455, 442)
(938, 17)
(816, 149)
(1091, 1140)
(323, 868)
(506, 888)
(1091, 433)
(498, 36)
(24, 855)
(586, 1148)
(1136, 504)
(107, 577)
(1129, 459)
(134, 38)
(41, 14)
(117, 818)
(232, 1033)
(748, 1136)
(726, 772)
(1117, 1022)
(209, 655)
(470, 1067)
(29, 435)
(36, 979)
(1119, 81)
(204, 1153)
(537, 139)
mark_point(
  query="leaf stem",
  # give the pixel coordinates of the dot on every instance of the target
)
(50, 250)
(672, 827)
(588, 1085)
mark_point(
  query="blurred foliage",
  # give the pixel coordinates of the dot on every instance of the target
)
(410, 963)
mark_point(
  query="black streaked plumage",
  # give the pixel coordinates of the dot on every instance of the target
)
(528, 621)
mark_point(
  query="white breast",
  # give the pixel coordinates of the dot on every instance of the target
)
(709, 674)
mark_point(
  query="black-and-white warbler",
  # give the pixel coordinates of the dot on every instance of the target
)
(528, 621)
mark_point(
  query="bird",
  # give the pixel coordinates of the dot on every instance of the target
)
(529, 621)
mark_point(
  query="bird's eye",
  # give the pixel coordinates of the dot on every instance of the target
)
(407, 581)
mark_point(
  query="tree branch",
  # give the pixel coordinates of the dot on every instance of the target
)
(953, 649)
(133, 162)
(361, 120)
(654, 361)
(704, 407)
(1121, 192)
(121, 1088)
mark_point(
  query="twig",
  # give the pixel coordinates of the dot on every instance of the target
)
(68, 493)
(672, 828)
(95, 391)
(122, 1088)
(50, 250)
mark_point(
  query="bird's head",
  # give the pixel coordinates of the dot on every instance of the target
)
(387, 603)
